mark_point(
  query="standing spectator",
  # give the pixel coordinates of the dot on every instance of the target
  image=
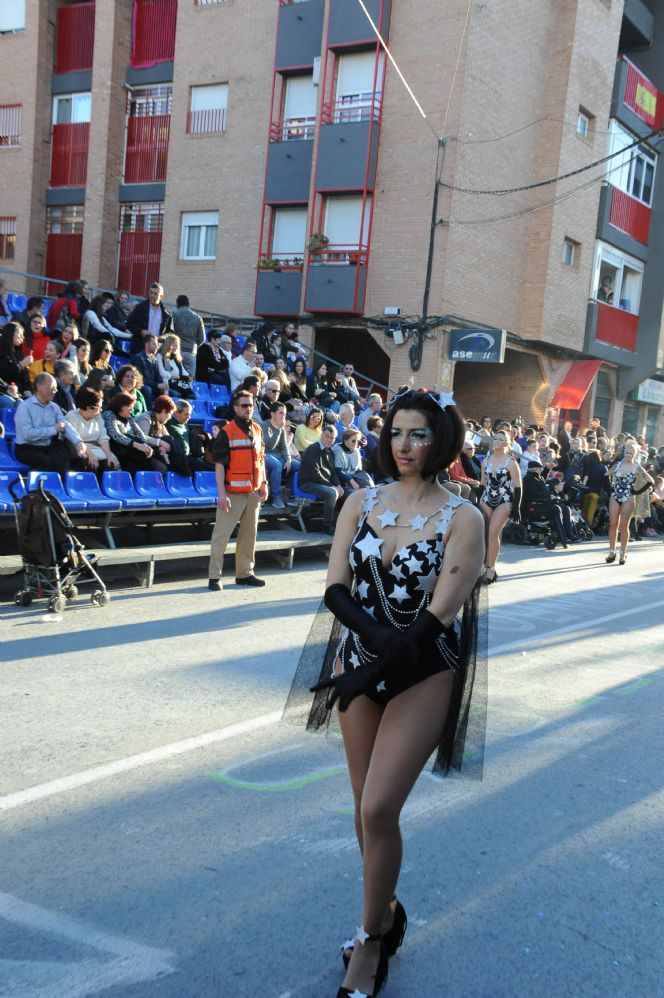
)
(34, 306)
(484, 434)
(278, 461)
(374, 407)
(65, 375)
(52, 353)
(96, 326)
(42, 435)
(188, 325)
(212, 362)
(13, 364)
(128, 442)
(171, 367)
(564, 439)
(595, 481)
(120, 310)
(374, 426)
(65, 307)
(130, 381)
(146, 363)
(36, 337)
(239, 462)
(149, 316)
(318, 475)
(243, 365)
(86, 420)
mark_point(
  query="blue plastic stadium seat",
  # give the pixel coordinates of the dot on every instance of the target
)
(205, 482)
(7, 460)
(297, 491)
(8, 420)
(123, 346)
(199, 410)
(16, 303)
(150, 484)
(6, 479)
(183, 488)
(83, 485)
(53, 484)
(201, 389)
(116, 362)
(240, 341)
(220, 394)
(118, 485)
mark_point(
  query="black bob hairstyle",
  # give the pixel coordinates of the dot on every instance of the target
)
(447, 425)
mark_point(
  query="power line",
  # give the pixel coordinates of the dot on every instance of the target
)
(522, 128)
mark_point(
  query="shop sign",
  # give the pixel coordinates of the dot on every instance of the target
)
(650, 391)
(482, 346)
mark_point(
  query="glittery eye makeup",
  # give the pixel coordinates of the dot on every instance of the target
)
(421, 437)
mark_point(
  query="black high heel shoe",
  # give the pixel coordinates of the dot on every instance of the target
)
(380, 977)
(610, 558)
(392, 939)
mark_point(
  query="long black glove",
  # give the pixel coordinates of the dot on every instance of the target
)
(378, 636)
(516, 506)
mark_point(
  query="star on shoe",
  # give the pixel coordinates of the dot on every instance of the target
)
(361, 935)
(388, 518)
(356, 994)
(369, 547)
(418, 522)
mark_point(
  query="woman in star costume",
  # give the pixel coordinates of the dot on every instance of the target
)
(405, 559)
(501, 498)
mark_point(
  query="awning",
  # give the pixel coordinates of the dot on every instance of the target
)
(572, 390)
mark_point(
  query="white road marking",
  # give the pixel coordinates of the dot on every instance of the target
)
(542, 636)
(129, 962)
(96, 773)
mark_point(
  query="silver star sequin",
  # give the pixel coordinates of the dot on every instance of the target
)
(418, 522)
(369, 501)
(381, 688)
(427, 583)
(369, 547)
(397, 572)
(413, 564)
(399, 594)
(357, 994)
(354, 660)
(363, 590)
(388, 518)
(423, 546)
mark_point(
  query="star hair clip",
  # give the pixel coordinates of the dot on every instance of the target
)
(442, 399)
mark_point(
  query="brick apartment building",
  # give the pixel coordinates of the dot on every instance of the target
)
(212, 143)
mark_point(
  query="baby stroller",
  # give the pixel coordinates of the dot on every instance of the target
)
(54, 562)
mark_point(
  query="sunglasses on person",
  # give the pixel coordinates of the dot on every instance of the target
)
(245, 405)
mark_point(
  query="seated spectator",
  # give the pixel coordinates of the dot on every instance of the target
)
(13, 364)
(297, 411)
(100, 356)
(374, 426)
(348, 461)
(187, 444)
(43, 437)
(274, 347)
(128, 442)
(119, 311)
(5, 314)
(346, 419)
(278, 460)
(212, 362)
(36, 338)
(309, 432)
(95, 325)
(171, 367)
(153, 424)
(338, 392)
(228, 341)
(34, 306)
(146, 363)
(458, 474)
(297, 380)
(129, 380)
(82, 360)
(86, 420)
(243, 365)
(266, 400)
(319, 476)
(292, 347)
(374, 407)
(67, 339)
(99, 380)
(46, 365)
(65, 307)
(469, 461)
(536, 491)
(65, 376)
(350, 384)
(317, 390)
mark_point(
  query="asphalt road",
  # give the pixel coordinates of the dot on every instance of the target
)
(163, 833)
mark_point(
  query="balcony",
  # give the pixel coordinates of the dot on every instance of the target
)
(336, 279)
(153, 35)
(146, 152)
(348, 145)
(349, 25)
(636, 101)
(75, 33)
(629, 215)
(279, 285)
(299, 34)
(69, 154)
(609, 325)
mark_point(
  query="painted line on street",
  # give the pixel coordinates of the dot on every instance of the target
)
(542, 636)
(275, 786)
(105, 772)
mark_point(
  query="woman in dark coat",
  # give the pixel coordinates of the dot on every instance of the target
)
(211, 362)
(13, 365)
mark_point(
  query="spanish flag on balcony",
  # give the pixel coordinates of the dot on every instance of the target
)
(646, 99)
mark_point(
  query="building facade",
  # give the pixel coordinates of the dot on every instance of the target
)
(265, 157)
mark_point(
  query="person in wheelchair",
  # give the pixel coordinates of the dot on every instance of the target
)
(538, 502)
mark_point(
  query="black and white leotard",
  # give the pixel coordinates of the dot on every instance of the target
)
(498, 488)
(623, 484)
(395, 594)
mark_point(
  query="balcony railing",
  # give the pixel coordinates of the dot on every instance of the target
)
(147, 149)
(292, 128)
(364, 107)
(340, 253)
(642, 97)
(10, 124)
(69, 155)
(292, 260)
(139, 259)
(63, 258)
(75, 34)
(210, 120)
(616, 326)
(153, 34)
(629, 215)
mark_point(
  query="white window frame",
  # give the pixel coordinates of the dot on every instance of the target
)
(203, 220)
(622, 263)
(204, 123)
(570, 250)
(294, 249)
(12, 16)
(583, 124)
(622, 170)
(74, 98)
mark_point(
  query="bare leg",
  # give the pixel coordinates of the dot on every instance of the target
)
(500, 517)
(407, 735)
(626, 513)
(614, 515)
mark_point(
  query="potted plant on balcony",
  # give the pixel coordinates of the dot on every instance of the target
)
(269, 263)
(317, 243)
